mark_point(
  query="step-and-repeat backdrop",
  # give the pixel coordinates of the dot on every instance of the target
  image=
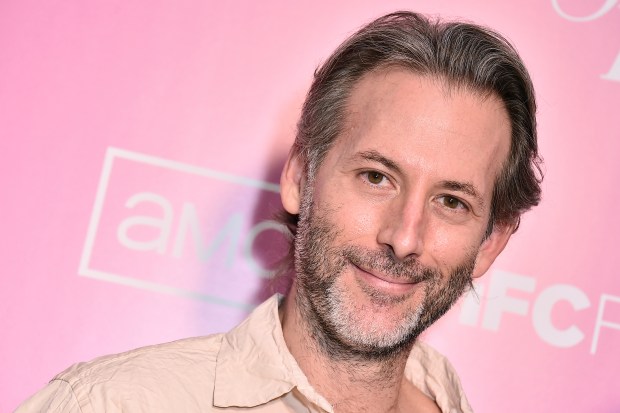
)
(141, 144)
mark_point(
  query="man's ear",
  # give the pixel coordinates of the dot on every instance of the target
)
(491, 247)
(291, 182)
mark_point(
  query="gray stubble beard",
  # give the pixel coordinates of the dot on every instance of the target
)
(319, 264)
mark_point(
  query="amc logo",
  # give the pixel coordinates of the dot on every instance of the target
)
(175, 228)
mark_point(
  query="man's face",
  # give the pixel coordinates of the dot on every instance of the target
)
(392, 226)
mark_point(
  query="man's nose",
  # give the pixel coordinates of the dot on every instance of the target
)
(403, 227)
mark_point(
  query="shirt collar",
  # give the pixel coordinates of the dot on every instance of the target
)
(434, 375)
(254, 365)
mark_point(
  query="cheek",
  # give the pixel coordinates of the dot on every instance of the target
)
(442, 241)
(357, 224)
(439, 243)
(363, 220)
(449, 246)
(358, 221)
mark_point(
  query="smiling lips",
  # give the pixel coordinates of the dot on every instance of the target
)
(386, 283)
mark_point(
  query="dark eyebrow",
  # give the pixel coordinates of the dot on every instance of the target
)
(464, 187)
(375, 156)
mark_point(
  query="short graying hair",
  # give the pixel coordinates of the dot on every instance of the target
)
(464, 55)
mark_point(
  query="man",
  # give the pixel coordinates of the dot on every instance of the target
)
(415, 156)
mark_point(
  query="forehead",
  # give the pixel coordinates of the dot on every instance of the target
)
(426, 126)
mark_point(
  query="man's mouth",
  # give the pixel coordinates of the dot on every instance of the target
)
(385, 282)
(387, 278)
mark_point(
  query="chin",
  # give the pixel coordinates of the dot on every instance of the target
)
(376, 323)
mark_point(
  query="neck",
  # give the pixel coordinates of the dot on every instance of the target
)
(350, 382)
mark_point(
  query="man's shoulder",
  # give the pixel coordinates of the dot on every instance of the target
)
(175, 376)
(187, 355)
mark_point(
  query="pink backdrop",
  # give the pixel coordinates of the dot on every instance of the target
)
(140, 146)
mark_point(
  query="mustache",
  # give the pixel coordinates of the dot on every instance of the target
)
(384, 261)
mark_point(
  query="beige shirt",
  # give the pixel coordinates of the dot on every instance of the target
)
(248, 367)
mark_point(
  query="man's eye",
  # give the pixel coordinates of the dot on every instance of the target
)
(452, 202)
(375, 177)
